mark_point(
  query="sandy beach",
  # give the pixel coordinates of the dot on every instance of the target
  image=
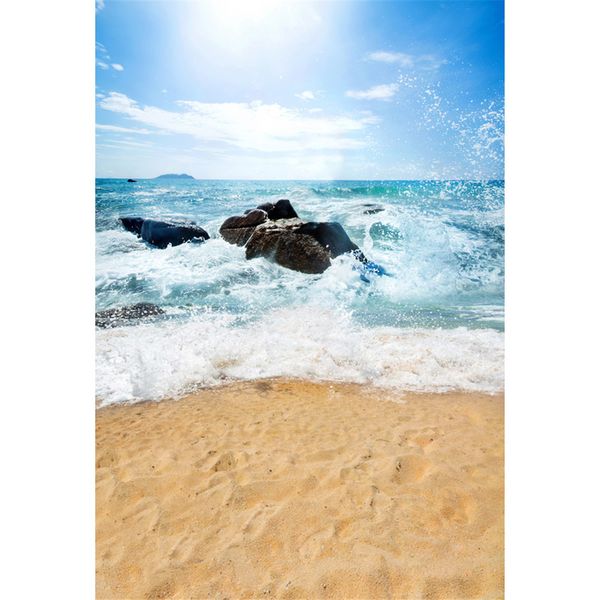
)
(293, 489)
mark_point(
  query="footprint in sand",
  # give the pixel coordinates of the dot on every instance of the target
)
(410, 468)
(421, 439)
(459, 509)
(185, 550)
(226, 462)
(315, 544)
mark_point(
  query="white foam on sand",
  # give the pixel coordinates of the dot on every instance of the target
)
(167, 359)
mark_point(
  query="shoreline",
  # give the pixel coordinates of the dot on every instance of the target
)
(391, 394)
(294, 488)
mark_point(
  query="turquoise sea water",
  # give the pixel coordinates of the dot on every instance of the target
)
(436, 323)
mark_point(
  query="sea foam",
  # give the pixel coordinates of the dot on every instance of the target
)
(168, 359)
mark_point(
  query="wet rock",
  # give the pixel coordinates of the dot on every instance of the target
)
(132, 181)
(288, 248)
(237, 230)
(133, 224)
(332, 236)
(372, 209)
(164, 233)
(114, 317)
(161, 233)
(275, 232)
(282, 209)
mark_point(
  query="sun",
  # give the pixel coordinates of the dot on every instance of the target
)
(245, 31)
(246, 10)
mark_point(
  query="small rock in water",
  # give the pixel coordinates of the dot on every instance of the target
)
(373, 211)
(133, 224)
(164, 233)
(113, 317)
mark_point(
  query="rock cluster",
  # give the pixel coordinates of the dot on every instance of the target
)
(275, 231)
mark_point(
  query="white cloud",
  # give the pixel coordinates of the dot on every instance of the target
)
(117, 129)
(430, 62)
(405, 60)
(133, 143)
(103, 59)
(101, 49)
(384, 91)
(427, 62)
(306, 95)
(251, 126)
(99, 5)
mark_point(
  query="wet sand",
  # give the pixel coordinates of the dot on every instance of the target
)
(293, 489)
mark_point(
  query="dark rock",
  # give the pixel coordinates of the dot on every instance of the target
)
(132, 181)
(133, 224)
(288, 248)
(113, 317)
(331, 236)
(267, 207)
(282, 209)
(163, 233)
(372, 209)
(237, 230)
(250, 218)
(275, 232)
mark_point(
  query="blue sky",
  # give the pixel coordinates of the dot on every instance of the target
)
(285, 89)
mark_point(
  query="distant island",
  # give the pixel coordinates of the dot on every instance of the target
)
(175, 176)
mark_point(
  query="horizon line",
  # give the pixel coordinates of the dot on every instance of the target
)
(292, 179)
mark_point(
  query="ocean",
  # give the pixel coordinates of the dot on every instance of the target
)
(434, 323)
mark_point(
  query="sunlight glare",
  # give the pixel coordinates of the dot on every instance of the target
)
(245, 10)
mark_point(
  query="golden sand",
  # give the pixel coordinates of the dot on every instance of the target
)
(291, 489)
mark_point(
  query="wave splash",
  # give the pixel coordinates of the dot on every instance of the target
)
(160, 360)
